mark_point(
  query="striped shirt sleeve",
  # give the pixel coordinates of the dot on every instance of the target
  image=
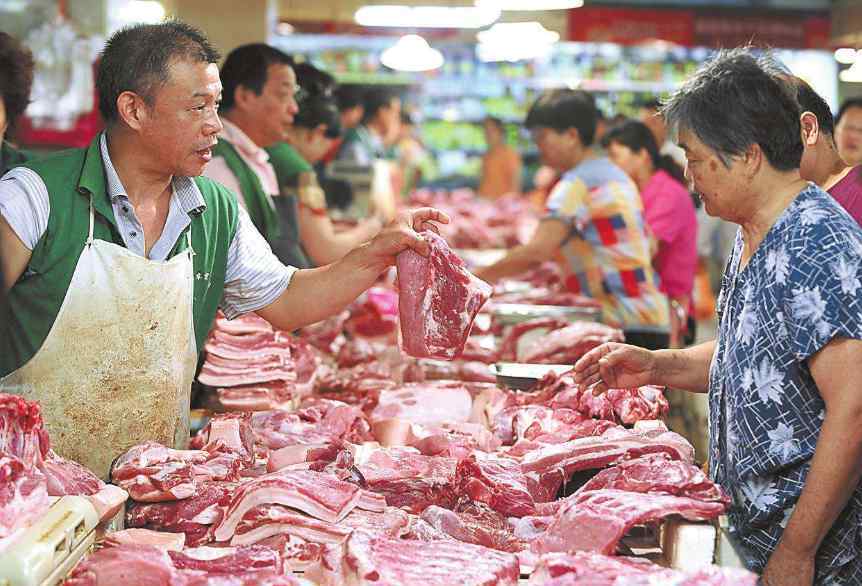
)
(24, 204)
(255, 278)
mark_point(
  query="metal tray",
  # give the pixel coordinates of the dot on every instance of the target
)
(520, 376)
(515, 313)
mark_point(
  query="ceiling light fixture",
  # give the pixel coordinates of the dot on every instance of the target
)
(530, 5)
(845, 55)
(533, 41)
(853, 74)
(396, 16)
(412, 53)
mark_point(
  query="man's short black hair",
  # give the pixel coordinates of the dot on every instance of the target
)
(849, 103)
(563, 109)
(811, 101)
(736, 100)
(313, 80)
(137, 59)
(317, 109)
(349, 97)
(375, 100)
(16, 77)
(248, 66)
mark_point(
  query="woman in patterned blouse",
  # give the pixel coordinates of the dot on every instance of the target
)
(783, 372)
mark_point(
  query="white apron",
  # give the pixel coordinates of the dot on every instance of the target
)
(117, 366)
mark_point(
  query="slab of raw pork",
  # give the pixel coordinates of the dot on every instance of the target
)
(426, 403)
(374, 315)
(408, 479)
(438, 300)
(230, 372)
(567, 345)
(601, 570)
(319, 495)
(195, 516)
(150, 472)
(228, 432)
(268, 520)
(322, 422)
(477, 525)
(497, 482)
(129, 565)
(611, 447)
(144, 565)
(136, 536)
(370, 560)
(22, 432)
(658, 473)
(23, 495)
(257, 397)
(597, 520)
(228, 560)
(67, 477)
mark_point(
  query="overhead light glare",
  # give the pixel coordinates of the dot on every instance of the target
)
(530, 5)
(147, 11)
(853, 74)
(412, 53)
(396, 16)
(533, 41)
(846, 55)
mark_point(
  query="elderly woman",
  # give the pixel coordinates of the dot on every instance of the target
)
(783, 374)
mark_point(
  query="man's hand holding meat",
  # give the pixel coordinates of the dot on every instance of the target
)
(315, 294)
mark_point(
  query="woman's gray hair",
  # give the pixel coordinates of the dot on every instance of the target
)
(735, 100)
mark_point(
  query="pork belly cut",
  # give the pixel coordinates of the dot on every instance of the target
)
(320, 495)
(267, 520)
(23, 495)
(370, 560)
(597, 520)
(438, 298)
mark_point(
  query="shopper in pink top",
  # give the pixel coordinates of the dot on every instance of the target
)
(821, 160)
(669, 211)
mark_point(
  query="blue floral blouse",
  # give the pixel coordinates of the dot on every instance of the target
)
(801, 288)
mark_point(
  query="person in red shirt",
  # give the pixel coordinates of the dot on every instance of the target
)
(821, 161)
(669, 212)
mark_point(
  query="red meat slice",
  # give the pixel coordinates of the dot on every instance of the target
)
(194, 516)
(372, 561)
(438, 300)
(658, 473)
(498, 483)
(598, 520)
(22, 432)
(23, 495)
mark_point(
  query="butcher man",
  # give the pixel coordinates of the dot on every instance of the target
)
(115, 257)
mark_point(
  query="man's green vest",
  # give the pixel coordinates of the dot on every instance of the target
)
(257, 201)
(72, 177)
(10, 157)
(287, 162)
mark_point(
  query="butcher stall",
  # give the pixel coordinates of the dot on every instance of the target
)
(431, 434)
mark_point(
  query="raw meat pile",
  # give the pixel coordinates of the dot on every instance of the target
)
(438, 300)
(341, 457)
(477, 223)
(30, 471)
(467, 473)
